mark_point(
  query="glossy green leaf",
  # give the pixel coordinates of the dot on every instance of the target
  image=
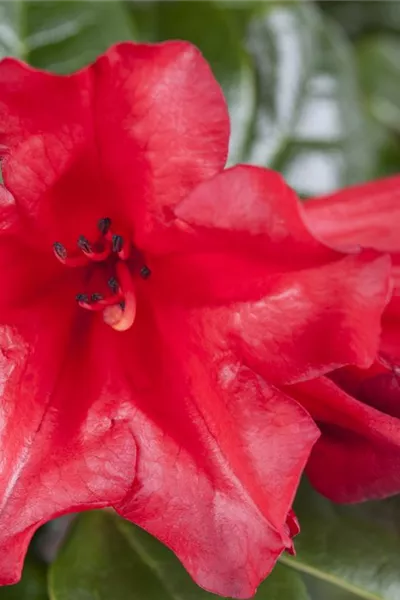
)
(33, 585)
(282, 584)
(378, 58)
(243, 6)
(10, 28)
(241, 11)
(388, 154)
(319, 589)
(144, 13)
(359, 17)
(106, 557)
(379, 68)
(309, 120)
(62, 36)
(354, 548)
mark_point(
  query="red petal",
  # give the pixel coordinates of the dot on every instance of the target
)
(220, 456)
(358, 455)
(46, 123)
(8, 212)
(132, 133)
(291, 307)
(219, 452)
(367, 214)
(297, 331)
(164, 126)
(390, 343)
(66, 445)
(31, 276)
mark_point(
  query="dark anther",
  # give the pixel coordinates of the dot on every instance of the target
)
(84, 244)
(82, 298)
(60, 250)
(113, 285)
(145, 272)
(104, 225)
(117, 243)
(122, 304)
(96, 297)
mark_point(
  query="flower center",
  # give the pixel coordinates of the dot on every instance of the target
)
(118, 306)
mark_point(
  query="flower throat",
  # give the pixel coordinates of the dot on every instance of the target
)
(119, 306)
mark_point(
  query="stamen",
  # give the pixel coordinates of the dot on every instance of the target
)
(100, 305)
(118, 308)
(84, 245)
(83, 301)
(109, 301)
(61, 254)
(117, 243)
(104, 225)
(99, 256)
(91, 303)
(98, 302)
(88, 250)
(113, 285)
(96, 297)
(117, 317)
(145, 272)
(82, 298)
(60, 251)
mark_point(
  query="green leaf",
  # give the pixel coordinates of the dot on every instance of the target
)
(10, 23)
(388, 154)
(242, 6)
(379, 68)
(106, 557)
(282, 584)
(378, 72)
(354, 548)
(309, 120)
(323, 590)
(62, 36)
(144, 14)
(33, 585)
(359, 17)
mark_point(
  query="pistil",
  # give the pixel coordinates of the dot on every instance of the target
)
(122, 316)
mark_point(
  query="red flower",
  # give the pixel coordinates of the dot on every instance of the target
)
(358, 411)
(165, 420)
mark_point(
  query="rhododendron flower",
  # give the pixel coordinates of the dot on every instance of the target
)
(138, 282)
(358, 411)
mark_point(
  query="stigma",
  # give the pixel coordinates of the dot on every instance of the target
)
(118, 305)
